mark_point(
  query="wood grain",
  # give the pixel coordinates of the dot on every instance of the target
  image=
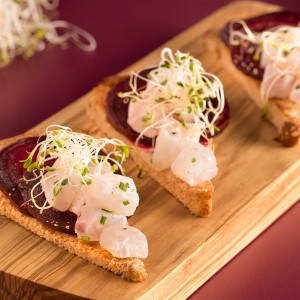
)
(257, 181)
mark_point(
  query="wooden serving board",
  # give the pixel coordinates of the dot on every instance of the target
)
(257, 182)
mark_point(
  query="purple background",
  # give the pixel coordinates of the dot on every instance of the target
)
(127, 30)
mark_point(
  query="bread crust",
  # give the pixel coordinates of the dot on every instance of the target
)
(132, 269)
(198, 199)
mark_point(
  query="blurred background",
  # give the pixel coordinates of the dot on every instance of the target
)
(31, 90)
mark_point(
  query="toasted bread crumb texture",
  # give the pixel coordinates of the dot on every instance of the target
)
(197, 199)
(129, 268)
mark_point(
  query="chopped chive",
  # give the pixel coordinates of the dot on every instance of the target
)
(93, 160)
(114, 168)
(200, 91)
(32, 167)
(191, 90)
(56, 191)
(107, 210)
(123, 186)
(126, 202)
(164, 82)
(189, 109)
(50, 169)
(201, 104)
(166, 64)
(103, 219)
(146, 118)
(179, 83)
(191, 66)
(85, 171)
(85, 238)
(125, 150)
(160, 100)
(27, 162)
(58, 143)
(39, 33)
(89, 181)
(64, 182)
(255, 57)
(177, 114)
(286, 52)
(216, 128)
(194, 159)
(183, 122)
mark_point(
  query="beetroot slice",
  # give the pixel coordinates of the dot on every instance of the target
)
(243, 55)
(12, 183)
(12, 171)
(117, 112)
(51, 217)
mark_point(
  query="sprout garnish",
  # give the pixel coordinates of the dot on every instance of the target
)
(179, 88)
(276, 46)
(25, 27)
(80, 155)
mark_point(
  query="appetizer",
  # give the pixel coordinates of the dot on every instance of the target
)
(69, 188)
(267, 50)
(168, 112)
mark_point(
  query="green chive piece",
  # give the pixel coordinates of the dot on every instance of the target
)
(50, 169)
(160, 100)
(28, 162)
(39, 33)
(65, 182)
(85, 238)
(85, 171)
(194, 159)
(126, 202)
(103, 219)
(179, 83)
(58, 143)
(146, 118)
(183, 122)
(201, 104)
(93, 160)
(189, 109)
(191, 66)
(89, 181)
(107, 210)
(166, 64)
(255, 57)
(114, 168)
(286, 52)
(164, 82)
(123, 186)
(56, 191)
(32, 167)
(216, 128)
(125, 150)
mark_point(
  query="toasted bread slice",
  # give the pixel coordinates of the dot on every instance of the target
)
(198, 199)
(129, 268)
(283, 113)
